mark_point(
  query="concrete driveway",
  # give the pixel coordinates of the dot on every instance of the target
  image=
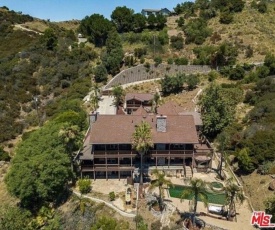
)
(106, 105)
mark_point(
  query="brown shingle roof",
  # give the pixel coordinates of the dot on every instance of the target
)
(140, 111)
(119, 129)
(196, 115)
(169, 108)
(139, 96)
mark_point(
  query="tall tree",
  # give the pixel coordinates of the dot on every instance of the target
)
(112, 59)
(141, 142)
(155, 102)
(101, 74)
(122, 17)
(233, 193)
(96, 27)
(49, 38)
(71, 137)
(118, 94)
(217, 111)
(197, 192)
(160, 182)
(139, 22)
(94, 98)
(40, 170)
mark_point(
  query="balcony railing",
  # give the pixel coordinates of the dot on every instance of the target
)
(113, 153)
(165, 153)
(153, 153)
(108, 167)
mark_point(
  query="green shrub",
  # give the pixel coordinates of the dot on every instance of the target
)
(84, 185)
(170, 61)
(158, 60)
(112, 196)
(177, 42)
(212, 76)
(142, 60)
(4, 156)
(181, 61)
(226, 17)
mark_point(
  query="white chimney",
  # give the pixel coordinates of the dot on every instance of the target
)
(161, 123)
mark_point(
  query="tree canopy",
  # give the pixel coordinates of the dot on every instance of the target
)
(96, 27)
(122, 17)
(40, 170)
(217, 109)
(113, 56)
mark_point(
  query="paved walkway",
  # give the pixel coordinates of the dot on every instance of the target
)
(126, 214)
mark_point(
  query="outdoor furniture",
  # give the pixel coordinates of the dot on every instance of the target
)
(216, 209)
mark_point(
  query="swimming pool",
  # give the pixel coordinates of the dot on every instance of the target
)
(214, 198)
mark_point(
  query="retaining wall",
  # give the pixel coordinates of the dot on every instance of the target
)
(141, 73)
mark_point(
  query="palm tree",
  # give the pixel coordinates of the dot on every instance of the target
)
(159, 182)
(197, 191)
(94, 97)
(141, 142)
(71, 137)
(233, 193)
(155, 102)
(223, 139)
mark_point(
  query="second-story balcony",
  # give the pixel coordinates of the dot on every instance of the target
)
(174, 153)
(114, 153)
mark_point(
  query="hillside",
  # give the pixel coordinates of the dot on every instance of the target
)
(249, 27)
(45, 73)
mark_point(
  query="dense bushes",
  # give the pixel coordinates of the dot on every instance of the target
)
(196, 31)
(177, 42)
(4, 156)
(84, 185)
(174, 84)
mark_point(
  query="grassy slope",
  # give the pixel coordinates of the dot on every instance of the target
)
(249, 28)
(42, 25)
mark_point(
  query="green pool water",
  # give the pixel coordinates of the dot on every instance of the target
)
(216, 184)
(214, 198)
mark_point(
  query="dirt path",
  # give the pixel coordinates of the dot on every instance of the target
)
(20, 27)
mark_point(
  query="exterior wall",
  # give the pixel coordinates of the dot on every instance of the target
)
(120, 160)
(165, 12)
(133, 104)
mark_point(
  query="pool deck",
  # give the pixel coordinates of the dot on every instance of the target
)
(244, 212)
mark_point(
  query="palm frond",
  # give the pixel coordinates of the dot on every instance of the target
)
(186, 194)
(204, 198)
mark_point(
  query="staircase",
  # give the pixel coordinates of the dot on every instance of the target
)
(188, 171)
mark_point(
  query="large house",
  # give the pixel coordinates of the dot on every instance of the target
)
(178, 148)
(163, 11)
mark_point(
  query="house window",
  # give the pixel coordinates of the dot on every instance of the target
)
(177, 146)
